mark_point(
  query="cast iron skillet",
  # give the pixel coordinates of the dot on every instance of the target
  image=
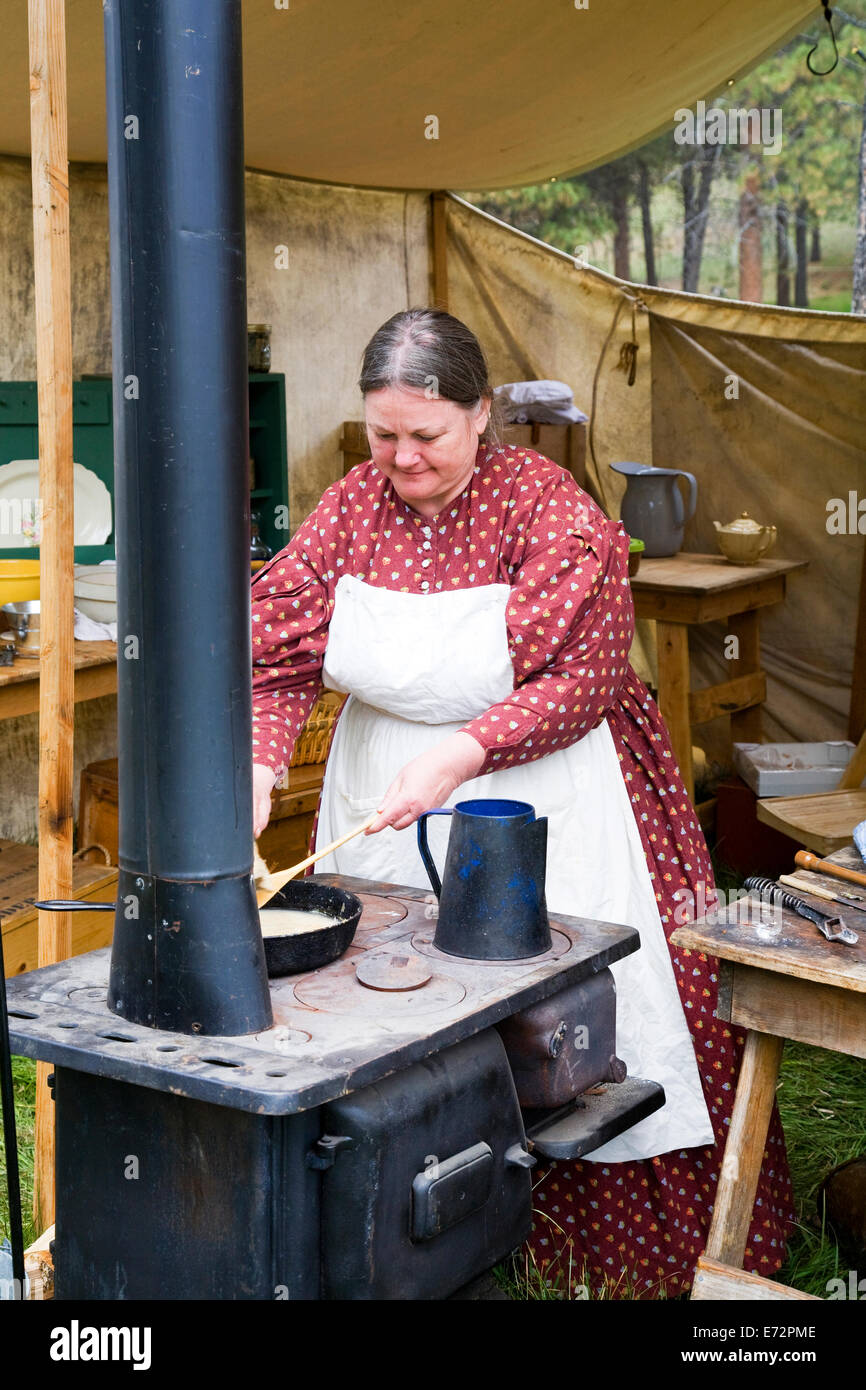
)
(289, 955)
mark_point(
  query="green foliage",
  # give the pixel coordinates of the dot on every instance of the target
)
(821, 116)
(818, 165)
(560, 212)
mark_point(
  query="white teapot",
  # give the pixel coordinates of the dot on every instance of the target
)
(744, 541)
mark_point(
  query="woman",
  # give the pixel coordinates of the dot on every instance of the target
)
(475, 604)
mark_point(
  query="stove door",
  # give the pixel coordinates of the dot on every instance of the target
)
(429, 1184)
(561, 1047)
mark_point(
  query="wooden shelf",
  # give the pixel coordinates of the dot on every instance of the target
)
(19, 889)
(95, 675)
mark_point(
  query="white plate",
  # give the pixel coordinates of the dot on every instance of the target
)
(19, 492)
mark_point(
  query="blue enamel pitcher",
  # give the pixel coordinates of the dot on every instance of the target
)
(491, 898)
(652, 508)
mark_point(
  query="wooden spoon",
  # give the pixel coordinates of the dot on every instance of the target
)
(267, 884)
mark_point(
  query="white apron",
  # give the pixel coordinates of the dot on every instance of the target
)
(417, 668)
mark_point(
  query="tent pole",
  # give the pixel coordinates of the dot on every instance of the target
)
(857, 715)
(50, 170)
(440, 251)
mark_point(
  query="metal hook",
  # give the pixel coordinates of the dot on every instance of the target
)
(816, 72)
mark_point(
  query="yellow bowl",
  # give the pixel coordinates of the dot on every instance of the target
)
(19, 579)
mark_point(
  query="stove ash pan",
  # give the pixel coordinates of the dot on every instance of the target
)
(408, 1188)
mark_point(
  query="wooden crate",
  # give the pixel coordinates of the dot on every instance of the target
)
(284, 841)
(18, 917)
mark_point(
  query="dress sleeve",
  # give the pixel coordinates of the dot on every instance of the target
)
(570, 623)
(291, 610)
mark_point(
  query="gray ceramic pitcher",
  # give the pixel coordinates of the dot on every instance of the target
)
(652, 508)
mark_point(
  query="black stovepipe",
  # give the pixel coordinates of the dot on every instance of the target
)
(187, 952)
(10, 1140)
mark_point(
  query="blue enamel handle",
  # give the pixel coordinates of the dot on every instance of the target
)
(693, 492)
(425, 849)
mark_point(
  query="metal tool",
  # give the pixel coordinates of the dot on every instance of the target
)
(833, 928)
(840, 896)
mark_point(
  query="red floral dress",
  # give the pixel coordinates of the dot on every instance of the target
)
(639, 1226)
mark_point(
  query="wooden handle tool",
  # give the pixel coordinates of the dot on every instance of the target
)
(269, 884)
(825, 866)
(791, 881)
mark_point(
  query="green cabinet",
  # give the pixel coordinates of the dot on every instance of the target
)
(269, 498)
(91, 443)
(93, 446)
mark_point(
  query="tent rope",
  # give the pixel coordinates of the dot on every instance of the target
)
(627, 363)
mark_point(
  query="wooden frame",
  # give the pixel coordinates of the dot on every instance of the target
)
(52, 277)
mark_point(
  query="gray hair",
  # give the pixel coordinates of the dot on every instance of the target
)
(431, 351)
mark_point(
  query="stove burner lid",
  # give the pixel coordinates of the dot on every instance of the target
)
(387, 971)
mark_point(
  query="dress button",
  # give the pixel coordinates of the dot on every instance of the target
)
(426, 546)
(425, 563)
(425, 584)
(426, 531)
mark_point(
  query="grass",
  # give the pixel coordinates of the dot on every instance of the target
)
(833, 303)
(822, 1100)
(24, 1083)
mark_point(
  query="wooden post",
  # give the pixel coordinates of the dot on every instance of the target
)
(672, 643)
(744, 1149)
(47, 29)
(746, 627)
(440, 251)
(857, 713)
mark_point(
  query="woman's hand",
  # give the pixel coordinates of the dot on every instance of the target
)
(264, 778)
(428, 781)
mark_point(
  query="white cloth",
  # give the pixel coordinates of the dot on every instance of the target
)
(417, 667)
(89, 630)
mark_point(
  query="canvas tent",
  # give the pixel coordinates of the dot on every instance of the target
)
(416, 98)
(339, 93)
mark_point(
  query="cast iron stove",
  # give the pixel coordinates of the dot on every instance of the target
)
(369, 1145)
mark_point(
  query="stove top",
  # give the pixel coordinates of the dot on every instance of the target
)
(332, 1034)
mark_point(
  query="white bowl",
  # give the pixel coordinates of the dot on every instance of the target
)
(95, 590)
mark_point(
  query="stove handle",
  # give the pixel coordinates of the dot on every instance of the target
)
(73, 905)
(424, 848)
(518, 1157)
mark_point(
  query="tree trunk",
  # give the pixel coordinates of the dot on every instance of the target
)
(858, 298)
(646, 222)
(815, 248)
(619, 209)
(783, 260)
(751, 263)
(801, 277)
(696, 198)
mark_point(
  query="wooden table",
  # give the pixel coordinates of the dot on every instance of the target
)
(796, 985)
(681, 590)
(95, 674)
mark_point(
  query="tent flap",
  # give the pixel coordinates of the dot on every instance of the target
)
(439, 95)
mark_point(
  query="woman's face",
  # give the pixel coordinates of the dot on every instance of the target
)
(426, 448)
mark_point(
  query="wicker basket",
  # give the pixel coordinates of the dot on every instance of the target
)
(312, 743)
